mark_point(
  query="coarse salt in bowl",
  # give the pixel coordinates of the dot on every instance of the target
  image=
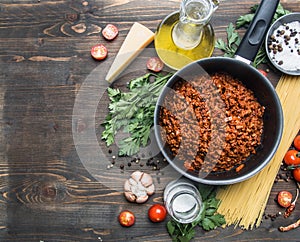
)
(283, 44)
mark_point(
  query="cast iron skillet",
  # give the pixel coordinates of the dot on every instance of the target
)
(240, 68)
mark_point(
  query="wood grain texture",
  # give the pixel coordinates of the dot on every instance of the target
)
(46, 192)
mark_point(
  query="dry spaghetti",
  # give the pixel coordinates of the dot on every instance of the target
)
(243, 204)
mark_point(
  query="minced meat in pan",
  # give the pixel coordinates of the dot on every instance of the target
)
(220, 124)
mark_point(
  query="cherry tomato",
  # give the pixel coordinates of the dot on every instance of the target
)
(157, 213)
(262, 72)
(155, 64)
(296, 174)
(292, 157)
(126, 218)
(99, 52)
(284, 198)
(110, 32)
(297, 142)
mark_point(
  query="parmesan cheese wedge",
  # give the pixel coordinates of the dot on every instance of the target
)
(136, 40)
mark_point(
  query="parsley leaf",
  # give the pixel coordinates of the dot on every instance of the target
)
(207, 191)
(181, 232)
(207, 224)
(245, 20)
(131, 113)
(233, 40)
(218, 219)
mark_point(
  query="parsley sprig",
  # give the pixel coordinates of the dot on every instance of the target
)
(132, 113)
(208, 220)
(229, 46)
(233, 40)
(245, 20)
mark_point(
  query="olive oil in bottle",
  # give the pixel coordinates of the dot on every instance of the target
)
(187, 35)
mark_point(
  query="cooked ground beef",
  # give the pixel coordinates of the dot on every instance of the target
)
(212, 124)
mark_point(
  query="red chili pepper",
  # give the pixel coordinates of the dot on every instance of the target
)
(289, 227)
(291, 208)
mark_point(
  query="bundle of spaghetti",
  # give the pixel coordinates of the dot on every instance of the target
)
(243, 204)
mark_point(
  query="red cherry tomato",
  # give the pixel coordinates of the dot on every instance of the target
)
(155, 64)
(284, 198)
(110, 32)
(157, 213)
(99, 52)
(262, 72)
(296, 174)
(297, 142)
(126, 218)
(292, 157)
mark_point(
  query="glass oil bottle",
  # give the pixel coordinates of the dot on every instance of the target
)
(186, 35)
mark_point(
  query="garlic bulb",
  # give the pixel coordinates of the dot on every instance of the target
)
(139, 187)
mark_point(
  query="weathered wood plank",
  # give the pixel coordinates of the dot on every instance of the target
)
(47, 193)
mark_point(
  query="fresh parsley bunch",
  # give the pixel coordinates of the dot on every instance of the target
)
(245, 20)
(208, 220)
(230, 46)
(132, 112)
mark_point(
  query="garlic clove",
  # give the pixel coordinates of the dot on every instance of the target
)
(133, 182)
(142, 199)
(130, 196)
(150, 190)
(127, 186)
(137, 175)
(146, 180)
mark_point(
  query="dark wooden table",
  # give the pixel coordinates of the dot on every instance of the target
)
(54, 184)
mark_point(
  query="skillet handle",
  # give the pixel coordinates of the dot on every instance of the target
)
(257, 30)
